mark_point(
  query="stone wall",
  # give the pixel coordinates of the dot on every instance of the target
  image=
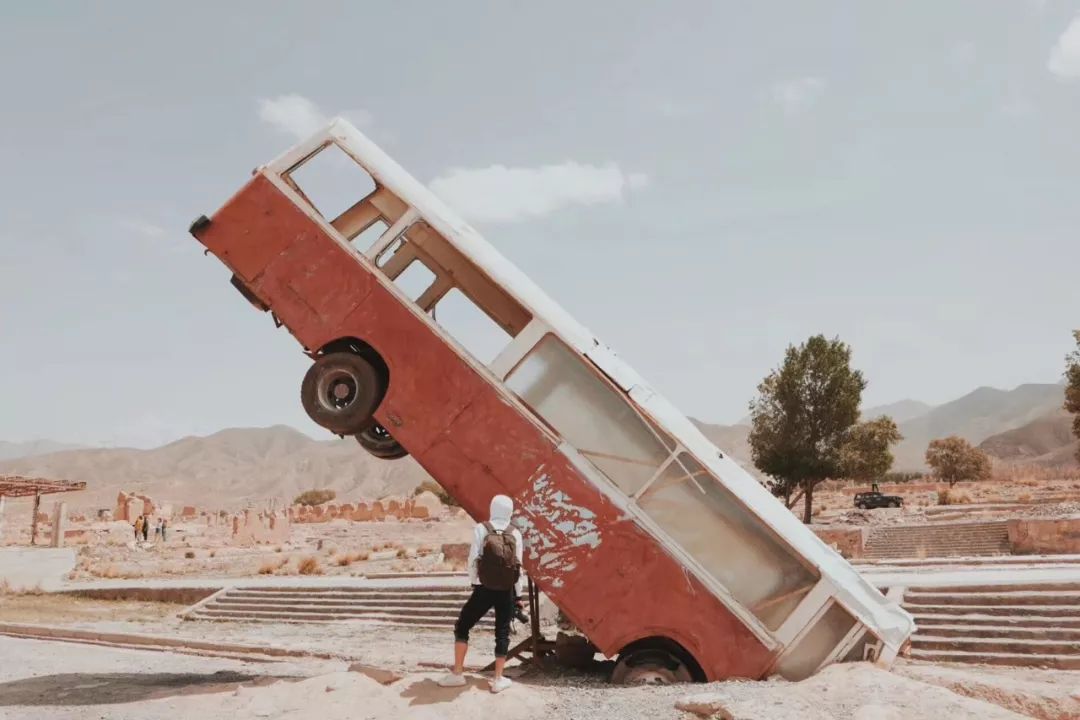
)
(425, 506)
(1049, 536)
(848, 541)
(251, 528)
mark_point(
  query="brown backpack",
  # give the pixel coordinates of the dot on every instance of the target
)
(498, 567)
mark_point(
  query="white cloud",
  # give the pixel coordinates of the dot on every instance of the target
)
(298, 116)
(1065, 57)
(501, 194)
(797, 96)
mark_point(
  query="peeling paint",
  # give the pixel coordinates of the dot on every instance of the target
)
(556, 530)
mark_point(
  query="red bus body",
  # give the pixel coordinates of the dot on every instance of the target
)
(607, 572)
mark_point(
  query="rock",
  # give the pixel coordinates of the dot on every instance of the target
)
(427, 505)
(379, 675)
(707, 705)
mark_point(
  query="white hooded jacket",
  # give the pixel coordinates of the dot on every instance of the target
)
(502, 508)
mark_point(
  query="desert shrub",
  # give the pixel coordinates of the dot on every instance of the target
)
(309, 566)
(344, 560)
(897, 478)
(1025, 498)
(314, 497)
(189, 555)
(952, 497)
(402, 553)
(433, 487)
(268, 568)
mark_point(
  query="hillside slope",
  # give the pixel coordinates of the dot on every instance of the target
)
(1047, 440)
(228, 469)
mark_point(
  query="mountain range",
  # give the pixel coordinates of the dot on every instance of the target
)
(240, 466)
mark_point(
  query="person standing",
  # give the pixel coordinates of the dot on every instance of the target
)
(164, 525)
(138, 527)
(146, 528)
(495, 574)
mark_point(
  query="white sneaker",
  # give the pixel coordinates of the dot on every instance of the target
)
(451, 680)
(497, 686)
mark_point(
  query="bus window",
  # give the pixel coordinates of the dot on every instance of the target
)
(470, 326)
(589, 414)
(415, 279)
(331, 181)
(700, 514)
(817, 644)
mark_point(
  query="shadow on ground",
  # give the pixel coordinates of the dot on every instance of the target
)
(428, 692)
(73, 689)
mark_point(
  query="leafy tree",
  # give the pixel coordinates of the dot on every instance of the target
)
(954, 458)
(1072, 388)
(802, 416)
(439, 491)
(314, 497)
(865, 453)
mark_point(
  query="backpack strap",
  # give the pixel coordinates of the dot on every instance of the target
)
(491, 528)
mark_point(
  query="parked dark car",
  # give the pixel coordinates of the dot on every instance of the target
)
(870, 500)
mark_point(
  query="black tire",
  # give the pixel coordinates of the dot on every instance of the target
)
(861, 506)
(895, 504)
(341, 391)
(378, 441)
(649, 666)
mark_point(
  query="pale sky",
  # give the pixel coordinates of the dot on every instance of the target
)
(700, 183)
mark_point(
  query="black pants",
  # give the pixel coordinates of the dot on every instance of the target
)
(477, 607)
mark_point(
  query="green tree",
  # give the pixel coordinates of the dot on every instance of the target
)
(314, 497)
(1072, 387)
(865, 453)
(954, 459)
(802, 415)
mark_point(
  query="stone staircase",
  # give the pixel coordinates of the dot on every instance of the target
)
(1022, 625)
(432, 606)
(933, 541)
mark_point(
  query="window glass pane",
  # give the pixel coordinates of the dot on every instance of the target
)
(815, 645)
(589, 414)
(730, 542)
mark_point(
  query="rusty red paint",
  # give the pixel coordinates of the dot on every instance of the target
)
(607, 574)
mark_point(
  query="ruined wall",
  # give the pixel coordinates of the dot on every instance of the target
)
(425, 506)
(251, 528)
(1045, 536)
(848, 541)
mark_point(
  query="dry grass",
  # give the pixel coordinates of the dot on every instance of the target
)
(402, 553)
(309, 566)
(952, 497)
(1024, 498)
(272, 566)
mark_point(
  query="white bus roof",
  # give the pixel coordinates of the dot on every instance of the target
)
(891, 623)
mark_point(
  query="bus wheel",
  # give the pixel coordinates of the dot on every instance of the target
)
(650, 667)
(379, 442)
(340, 392)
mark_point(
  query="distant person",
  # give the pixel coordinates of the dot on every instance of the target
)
(146, 528)
(138, 527)
(495, 574)
(157, 530)
(164, 526)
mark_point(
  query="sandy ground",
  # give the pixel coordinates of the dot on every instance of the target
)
(56, 681)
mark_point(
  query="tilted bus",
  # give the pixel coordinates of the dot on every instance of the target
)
(653, 542)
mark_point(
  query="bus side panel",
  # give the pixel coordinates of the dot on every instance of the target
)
(253, 227)
(618, 585)
(430, 384)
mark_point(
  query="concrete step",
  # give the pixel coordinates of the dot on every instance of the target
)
(1012, 610)
(1009, 646)
(207, 613)
(1027, 587)
(348, 602)
(1007, 597)
(948, 630)
(376, 593)
(304, 609)
(1059, 662)
(992, 623)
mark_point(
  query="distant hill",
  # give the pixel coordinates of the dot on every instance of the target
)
(228, 469)
(1047, 440)
(975, 417)
(901, 411)
(12, 450)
